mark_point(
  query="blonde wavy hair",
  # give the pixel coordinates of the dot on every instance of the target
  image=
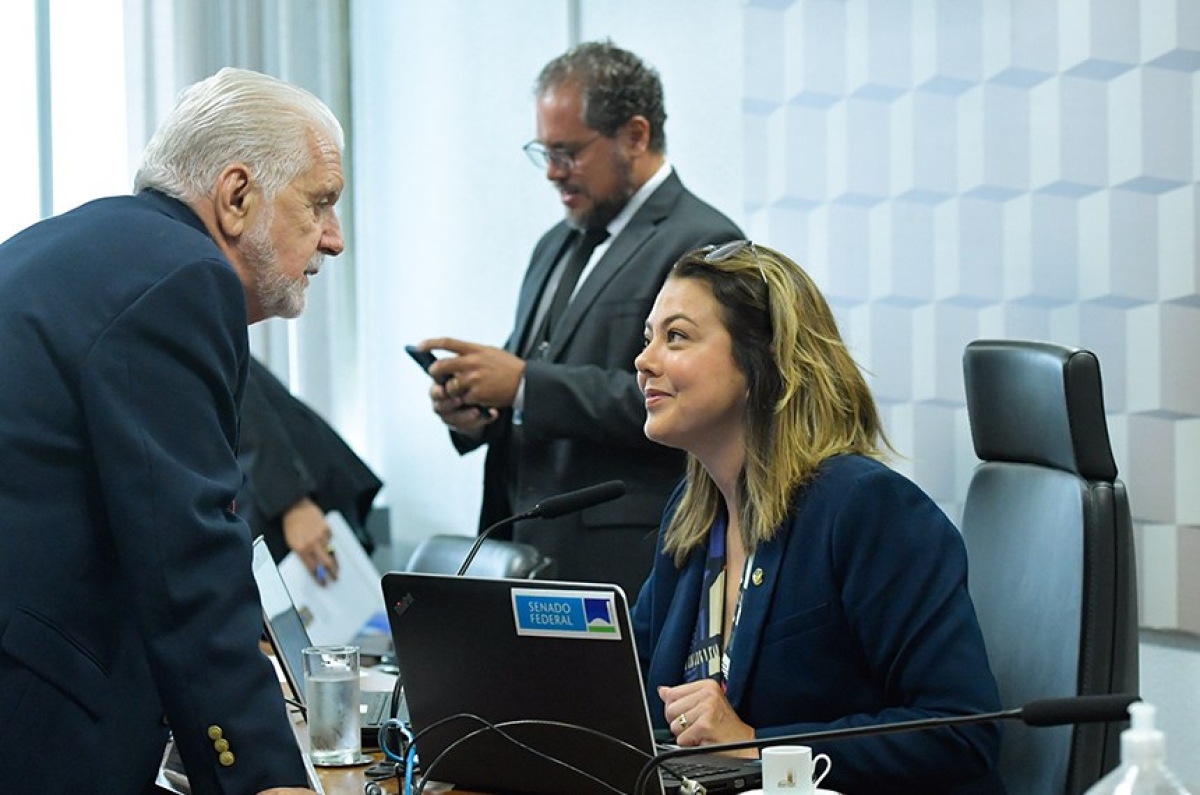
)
(808, 400)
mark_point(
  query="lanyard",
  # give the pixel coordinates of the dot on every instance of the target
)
(737, 615)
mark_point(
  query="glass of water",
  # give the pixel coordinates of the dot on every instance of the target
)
(331, 690)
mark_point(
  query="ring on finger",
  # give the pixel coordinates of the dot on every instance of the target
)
(683, 721)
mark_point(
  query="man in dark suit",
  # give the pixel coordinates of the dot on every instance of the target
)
(297, 470)
(127, 604)
(564, 408)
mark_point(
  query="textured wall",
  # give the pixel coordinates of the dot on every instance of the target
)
(1026, 169)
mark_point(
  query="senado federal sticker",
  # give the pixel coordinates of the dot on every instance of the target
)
(588, 615)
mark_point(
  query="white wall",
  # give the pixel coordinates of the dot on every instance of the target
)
(1170, 666)
(975, 168)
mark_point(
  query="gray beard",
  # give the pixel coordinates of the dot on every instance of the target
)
(278, 296)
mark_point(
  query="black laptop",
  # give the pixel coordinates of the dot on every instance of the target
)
(553, 666)
(288, 638)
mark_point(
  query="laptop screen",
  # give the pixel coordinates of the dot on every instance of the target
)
(285, 627)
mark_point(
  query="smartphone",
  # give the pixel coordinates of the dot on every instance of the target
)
(423, 358)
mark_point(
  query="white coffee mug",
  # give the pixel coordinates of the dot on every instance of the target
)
(792, 770)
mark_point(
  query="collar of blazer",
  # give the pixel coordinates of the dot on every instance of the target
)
(679, 619)
(621, 254)
(755, 603)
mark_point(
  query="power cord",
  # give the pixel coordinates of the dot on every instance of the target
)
(397, 697)
(389, 766)
(688, 786)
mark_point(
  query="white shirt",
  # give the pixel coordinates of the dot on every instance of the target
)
(614, 228)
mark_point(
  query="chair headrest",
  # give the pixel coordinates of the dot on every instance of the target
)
(1038, 403)
(444, 554)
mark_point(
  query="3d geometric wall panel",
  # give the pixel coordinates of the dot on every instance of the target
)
(955, 169)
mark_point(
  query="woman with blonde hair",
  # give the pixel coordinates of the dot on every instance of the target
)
(800, 584)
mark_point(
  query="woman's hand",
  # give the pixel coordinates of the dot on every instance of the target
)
(699, 714)
(308, 535)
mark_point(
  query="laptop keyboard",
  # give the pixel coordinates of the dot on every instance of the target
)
(681, 768)
(696, 769)
(712, 770)
(375, 704)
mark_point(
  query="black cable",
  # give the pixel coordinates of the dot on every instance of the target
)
(385, 730)
(427, 769)
(397, 696)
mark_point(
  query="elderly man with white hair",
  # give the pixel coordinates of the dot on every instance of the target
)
(127, 605)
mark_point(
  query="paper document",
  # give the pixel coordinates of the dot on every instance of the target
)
(338, 610)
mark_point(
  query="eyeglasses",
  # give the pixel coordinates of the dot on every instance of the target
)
(714, 253)
(562, 157)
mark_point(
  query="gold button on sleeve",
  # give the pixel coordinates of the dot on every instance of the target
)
(221, 746)
(214, 732)
(226, 758)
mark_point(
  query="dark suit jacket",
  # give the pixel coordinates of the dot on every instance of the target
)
(584, 414)
(861, 617)
(126, 597)
(289, 452)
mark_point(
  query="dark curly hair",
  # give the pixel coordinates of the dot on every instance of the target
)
(614, 84)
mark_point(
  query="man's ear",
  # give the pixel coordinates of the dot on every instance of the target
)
(236, 200)
(637, 134)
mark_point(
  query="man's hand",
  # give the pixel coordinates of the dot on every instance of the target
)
(478, 375)
(309, 535)
(459, 415)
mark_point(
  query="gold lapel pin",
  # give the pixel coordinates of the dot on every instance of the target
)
(757, 577)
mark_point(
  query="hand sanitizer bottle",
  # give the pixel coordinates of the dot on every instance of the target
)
(1143, 769)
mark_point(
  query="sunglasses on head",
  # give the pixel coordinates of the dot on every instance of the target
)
(714, 253)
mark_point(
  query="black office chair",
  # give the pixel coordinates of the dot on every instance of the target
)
(1049, 537)
(444, 554)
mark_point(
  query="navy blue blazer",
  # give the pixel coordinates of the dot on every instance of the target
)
(861, 617)
(126, 596)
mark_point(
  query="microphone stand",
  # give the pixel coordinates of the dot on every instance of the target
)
(550, 508)
(466, 564)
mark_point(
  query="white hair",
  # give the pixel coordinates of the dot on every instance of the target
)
(236, 116)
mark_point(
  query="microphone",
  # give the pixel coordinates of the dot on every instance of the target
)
(577, 500)
(1044, 712)
(550, 508)
(1079, 709)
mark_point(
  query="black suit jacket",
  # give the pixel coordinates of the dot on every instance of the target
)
(289, 452)
(126, 596)
(584, 415)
